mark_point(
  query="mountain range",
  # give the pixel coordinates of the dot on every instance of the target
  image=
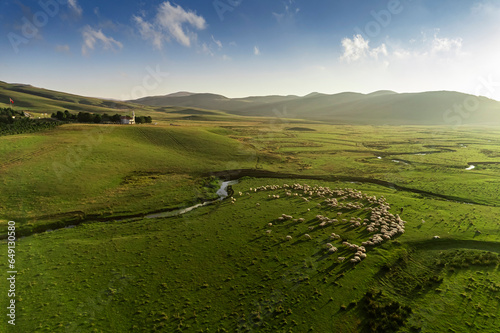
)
(381, 107)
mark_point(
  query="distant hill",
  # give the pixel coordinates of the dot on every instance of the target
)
(377, 108)
(35, 99)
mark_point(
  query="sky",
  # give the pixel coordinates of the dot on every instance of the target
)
(132, 49)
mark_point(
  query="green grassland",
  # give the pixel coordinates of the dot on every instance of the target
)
(216, 269)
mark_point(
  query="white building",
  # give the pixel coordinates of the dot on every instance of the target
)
(127, 120)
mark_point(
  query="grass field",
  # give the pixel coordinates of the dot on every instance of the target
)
(217, 269)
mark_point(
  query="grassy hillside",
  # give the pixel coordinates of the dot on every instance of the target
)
(109, 170)
(379, 108)
(40, 100)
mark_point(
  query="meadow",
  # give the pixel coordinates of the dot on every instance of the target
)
(218, 268)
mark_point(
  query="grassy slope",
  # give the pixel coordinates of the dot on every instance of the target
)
(88, 168)
(39, 101)
(47, 101)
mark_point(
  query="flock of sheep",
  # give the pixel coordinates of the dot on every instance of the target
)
(382, 225)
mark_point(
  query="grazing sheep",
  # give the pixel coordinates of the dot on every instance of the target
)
(329, 245)
(307, 236)
(436, 237)
(333, 249)
(270, 224)
(341, 259)
(288, 237)
(257, 204)
(268, 231)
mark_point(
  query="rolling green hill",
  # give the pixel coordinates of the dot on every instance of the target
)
(378, 108)
(38, 100)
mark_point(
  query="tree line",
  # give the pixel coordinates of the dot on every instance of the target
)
(14, 122)
(95, 118)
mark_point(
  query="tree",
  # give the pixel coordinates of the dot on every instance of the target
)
(116, 118)
(60, 115)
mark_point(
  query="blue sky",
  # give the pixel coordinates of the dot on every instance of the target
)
(237, 48)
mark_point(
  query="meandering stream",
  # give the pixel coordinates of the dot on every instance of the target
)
(231, 177)
(221, 192)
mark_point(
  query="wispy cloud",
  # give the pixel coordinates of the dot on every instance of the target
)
(92, 37)
(73, 4)
(217, 42)
(256, 50)
(446, 45)
(358, 49)
(148, 31)
(171, 21)
(206, 49)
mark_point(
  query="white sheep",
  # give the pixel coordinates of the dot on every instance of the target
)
(333, 249)
(288, 237)
(307, 236)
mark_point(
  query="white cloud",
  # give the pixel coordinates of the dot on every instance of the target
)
(62, 48)
(437, 48)
(446, 45)
(171, 21)
(256, 51)
(358, 48)
(73, 4)
(92, 37)
(226, 57)
(148, 31)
